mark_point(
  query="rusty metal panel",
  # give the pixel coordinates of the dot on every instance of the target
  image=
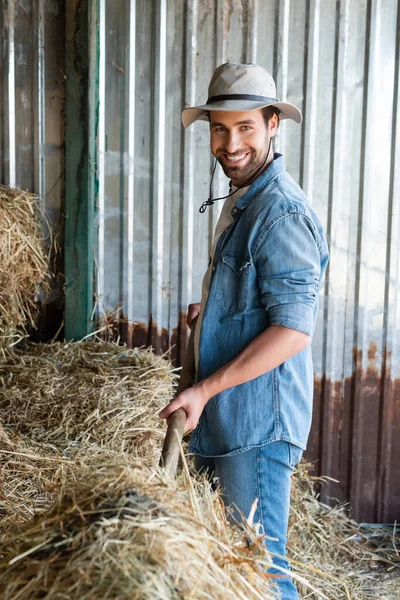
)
(356, 387)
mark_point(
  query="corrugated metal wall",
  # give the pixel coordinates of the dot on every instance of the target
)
(339, 62)
(32, 100)
(31, 113)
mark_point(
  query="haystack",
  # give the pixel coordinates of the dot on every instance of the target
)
(86, 513)
(23, 263)
(128, 533)
(346, 560)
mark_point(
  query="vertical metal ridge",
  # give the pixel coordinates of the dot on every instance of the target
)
(131, 156)
(219, 183)
(252, 37)
(308, 58)
(343, 122)
(276, 46)
(330, 197)
(355, 473)
(285, 48)
(282, 65)
(384, 466)
(329, 308)
(101, 156)
(309, 127)
(219, 35)
(36, 117)
(41, 95)
(93, 41)
(122, 169)
(12, 175)
(158, 185)
(351, 286)
(188, 152)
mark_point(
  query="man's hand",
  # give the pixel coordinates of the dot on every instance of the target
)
(193, 401)
(192, 313)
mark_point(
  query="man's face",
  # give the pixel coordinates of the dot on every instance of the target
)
(240, 142)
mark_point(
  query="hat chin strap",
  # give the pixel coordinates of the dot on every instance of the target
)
(210, 201)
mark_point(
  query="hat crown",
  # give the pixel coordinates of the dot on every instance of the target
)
(240, 87)
(234, 78)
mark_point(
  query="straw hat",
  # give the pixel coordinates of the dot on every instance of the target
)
(236, 87)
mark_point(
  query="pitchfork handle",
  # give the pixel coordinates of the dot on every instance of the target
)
(170, 452)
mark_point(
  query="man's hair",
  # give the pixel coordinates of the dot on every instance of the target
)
(268, 112)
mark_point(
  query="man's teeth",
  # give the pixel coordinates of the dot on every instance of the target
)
(235, 156)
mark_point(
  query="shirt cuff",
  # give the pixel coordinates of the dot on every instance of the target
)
(294, 316)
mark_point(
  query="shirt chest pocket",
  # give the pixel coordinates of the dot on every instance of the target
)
(230, 287)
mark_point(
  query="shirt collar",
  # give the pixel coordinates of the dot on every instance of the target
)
(275, 168)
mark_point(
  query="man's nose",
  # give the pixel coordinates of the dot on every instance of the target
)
(233, 142)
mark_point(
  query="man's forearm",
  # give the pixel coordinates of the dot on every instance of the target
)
(267, 351)
(270, 349)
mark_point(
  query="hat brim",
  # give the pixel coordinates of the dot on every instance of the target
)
(199, 113)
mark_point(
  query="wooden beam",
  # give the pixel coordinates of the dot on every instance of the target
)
(81, 70)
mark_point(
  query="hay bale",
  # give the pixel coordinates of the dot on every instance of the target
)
(65, 405)
(84, 393)
(126, 533)
(23, 263)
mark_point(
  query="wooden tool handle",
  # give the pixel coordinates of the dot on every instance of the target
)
(170, 452)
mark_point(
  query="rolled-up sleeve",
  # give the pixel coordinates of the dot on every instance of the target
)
(288, 266)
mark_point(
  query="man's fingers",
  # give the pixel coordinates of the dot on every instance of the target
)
(166, 412)
(193, 312)
(169, 409)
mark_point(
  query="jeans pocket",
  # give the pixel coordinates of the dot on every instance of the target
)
(295, 454)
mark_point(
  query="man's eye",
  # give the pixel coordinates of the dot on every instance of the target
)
(220, 129)
(246, 128)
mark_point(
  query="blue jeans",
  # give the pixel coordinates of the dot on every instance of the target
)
(264, 473)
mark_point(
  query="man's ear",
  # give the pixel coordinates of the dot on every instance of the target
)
(273, 125)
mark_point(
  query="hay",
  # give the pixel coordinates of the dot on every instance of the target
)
(79, 481)
(127, 533)
(86, 393)
(335, 553)
(63, 404)
(79, 450)
(23, 263)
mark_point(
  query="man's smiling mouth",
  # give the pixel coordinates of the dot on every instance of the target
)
(235, 157)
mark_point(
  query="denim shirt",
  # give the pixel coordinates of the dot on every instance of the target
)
(267, 270)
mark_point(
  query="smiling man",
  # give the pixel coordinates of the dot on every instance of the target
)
(250, 410)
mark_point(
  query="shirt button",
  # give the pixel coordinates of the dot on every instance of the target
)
(213, 268)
